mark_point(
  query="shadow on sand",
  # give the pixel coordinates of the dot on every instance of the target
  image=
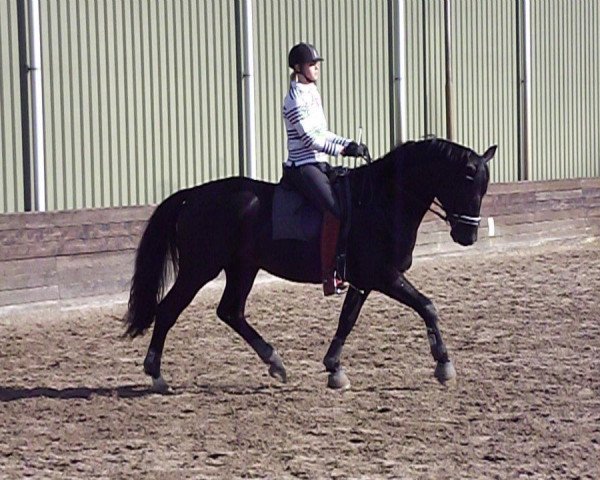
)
(9, 394)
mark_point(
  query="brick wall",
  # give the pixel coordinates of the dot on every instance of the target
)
(67, 255)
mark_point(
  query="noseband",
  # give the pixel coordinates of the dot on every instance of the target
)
(451, 217)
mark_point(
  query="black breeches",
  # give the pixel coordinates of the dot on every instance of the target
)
(312, 181)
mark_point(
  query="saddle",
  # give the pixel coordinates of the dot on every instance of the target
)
(295, 218)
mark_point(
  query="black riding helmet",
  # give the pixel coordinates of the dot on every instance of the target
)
(303, 53)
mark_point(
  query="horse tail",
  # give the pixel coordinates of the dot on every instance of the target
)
(157, 246)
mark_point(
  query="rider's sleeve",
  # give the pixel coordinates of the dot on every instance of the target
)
(311, 127)
(332, 137)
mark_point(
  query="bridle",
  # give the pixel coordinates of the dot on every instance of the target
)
(451, 217)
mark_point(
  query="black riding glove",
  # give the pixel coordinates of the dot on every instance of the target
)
(354, 149)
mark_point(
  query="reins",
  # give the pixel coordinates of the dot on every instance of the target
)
(368, 180)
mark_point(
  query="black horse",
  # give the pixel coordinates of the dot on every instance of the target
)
(227, 225)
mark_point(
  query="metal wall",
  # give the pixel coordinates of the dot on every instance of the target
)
(11, 148)
(425, 68)
(565, 97)
(485, 87)
(140, 99)
(143, 97)
(353, 36)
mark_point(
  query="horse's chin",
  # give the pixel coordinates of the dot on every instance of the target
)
(464, 238)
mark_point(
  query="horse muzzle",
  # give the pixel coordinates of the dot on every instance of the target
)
(463, 228)
(464, 235)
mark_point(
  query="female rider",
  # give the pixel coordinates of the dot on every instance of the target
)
(309, 142)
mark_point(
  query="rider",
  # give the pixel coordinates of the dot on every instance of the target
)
(309, 142)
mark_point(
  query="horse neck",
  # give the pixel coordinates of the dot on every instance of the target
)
(370, 182)
(398, 179)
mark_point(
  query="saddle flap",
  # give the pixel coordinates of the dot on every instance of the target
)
(294, 218)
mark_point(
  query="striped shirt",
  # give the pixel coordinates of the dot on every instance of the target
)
(309, 140)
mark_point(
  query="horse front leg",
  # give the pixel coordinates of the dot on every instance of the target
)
(402, 290)
(352, 304)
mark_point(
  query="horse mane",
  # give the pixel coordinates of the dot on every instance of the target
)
(430, 147)
(428, 158)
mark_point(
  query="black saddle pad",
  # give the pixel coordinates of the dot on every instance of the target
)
(294, 218)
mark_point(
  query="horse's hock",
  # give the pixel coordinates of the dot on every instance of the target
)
(62, 256)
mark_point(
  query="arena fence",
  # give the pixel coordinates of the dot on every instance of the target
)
(61, 256)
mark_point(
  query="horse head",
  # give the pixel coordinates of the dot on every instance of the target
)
(461, 189)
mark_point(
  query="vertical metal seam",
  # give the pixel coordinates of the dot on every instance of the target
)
(185, 96)
(177, 92)
(91, 156)
(168, 158)
(109, 110)
(73, 81)
(26, 157)
(3, 147)
(100, 154)
(193, 92)
(60, 120)
(13, 134)
(203, 49)
(143, 150)
(81, 123)
(136, 167)
(117, 108)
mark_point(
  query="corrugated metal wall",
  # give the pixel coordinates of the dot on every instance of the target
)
(565, 103)
(425, 68)
(485, 77)
(11, 148)
(353, 37)
(140, 99)
(486, 81)
(143, 97)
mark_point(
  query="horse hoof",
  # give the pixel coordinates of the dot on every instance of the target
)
(338, 380)
(276, 368)
(159, 385)
(278, 373)
(444, 372)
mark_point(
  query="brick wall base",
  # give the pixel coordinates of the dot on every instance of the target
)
(74, 254)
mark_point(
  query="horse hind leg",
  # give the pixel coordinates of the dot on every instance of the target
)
(231, 310)
(181, 294)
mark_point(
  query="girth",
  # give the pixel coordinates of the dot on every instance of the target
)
(340, 182)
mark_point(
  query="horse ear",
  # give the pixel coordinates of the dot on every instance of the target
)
(489, 153)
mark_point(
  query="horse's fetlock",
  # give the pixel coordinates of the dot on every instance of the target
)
(440, 353)
(152, 363)
(265, 351)
(333, 355)
(332, 364)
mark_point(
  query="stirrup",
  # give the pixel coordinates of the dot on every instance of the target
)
(333, 285)
(340, 285)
